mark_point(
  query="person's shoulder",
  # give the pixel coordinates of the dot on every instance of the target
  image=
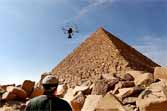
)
(61, 100)
(39, 98)
(63, 103)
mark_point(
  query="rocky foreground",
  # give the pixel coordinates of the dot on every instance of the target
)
(131, 91)
(102, 74)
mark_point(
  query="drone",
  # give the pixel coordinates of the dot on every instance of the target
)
(70, 30)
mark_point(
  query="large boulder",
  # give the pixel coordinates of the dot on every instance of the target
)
(5, 86)
(141, 77)
(69, 95)
(1, 90)
(126, 92)
(61, 90)
(154, 98)
(100, 88)
(84, 89)
(127, 77)
(28, 86)
(129, 100)
(91, 102)
(109, 103)
(108, 76)
(111, 83)
(8, 96)
(160, 73)
(78, 102)
(20, 93)
(37, 91)
(123, 84)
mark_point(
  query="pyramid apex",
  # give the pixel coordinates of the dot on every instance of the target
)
(101, 29)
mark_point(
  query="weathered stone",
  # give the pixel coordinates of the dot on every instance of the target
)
(28, 86)
(142, 78)
(78, 102)
(154, 98)
(87, 83)
(37, 91)
(69, 95)
(130, 107)
(8, 96)
(91, 102)
(125, 92)
(20, 93)
(160, 73)
(83, 89)
(100, 88)
(123, 84)
(109, 103)
(129, 100)
(5, 86)
(112, 83)
(61, 90)
(1, 90)
(108, 76)
(127, 77)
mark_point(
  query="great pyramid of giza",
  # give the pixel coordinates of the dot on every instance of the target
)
(101, 53)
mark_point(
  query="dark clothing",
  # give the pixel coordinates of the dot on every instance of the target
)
(47, 103)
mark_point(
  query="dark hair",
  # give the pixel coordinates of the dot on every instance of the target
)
(49, 88)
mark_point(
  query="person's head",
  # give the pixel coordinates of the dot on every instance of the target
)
(50, 84)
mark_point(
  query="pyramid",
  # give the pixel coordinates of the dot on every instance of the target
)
(101, 53)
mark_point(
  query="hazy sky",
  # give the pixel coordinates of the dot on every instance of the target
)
(32, 42)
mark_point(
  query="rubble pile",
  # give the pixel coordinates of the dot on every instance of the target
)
(14, 97)
(101, 53)
(102, 74)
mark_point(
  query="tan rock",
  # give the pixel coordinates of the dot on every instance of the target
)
(5, 86)
(154, 98)
(2, 90)
(142, 78)
(8, 96)
(100, 88)
(20, 93)
(124, 77)
(109, 103)
(83, 89)
(160, 73)
(123, 84)
(61, 90)
(37, 91)
(28, 86)
(69, 95)
(108, 76)
(78, 102)
(130, 107)
(129, 100)
(112, 83)
(125, 92)
(91, 102)
(127, 77)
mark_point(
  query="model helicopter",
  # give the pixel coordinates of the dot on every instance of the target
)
(70, 30)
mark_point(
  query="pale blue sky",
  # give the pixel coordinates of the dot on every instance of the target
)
(32, 42)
